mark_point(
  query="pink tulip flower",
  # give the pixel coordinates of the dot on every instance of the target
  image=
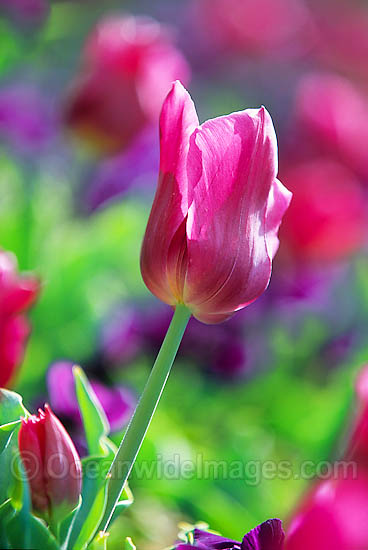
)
(212, 231)
(334, 514)
(128, 66)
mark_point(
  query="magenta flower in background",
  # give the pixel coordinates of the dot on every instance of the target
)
(51, 463)
(343, 36)
(212, 231)
(127, 68)
(27, 122)
(17, 294)
(332, 114)
(333, 515)
(117, 402)
(327, 220)
(267, 536)
(257, 27)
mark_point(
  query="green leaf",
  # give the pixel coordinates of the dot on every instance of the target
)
(6, 432)
(6, 470)
(11, 407)
(96, 425)
(6, 513)
(40, 536)
(129, 544)
(126, 500)
(19, 528)
(9, 470)
(100, 543)
(94, 494)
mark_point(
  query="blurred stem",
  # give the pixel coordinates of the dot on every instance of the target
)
(133, 438)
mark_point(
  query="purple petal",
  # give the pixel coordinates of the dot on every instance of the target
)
(135, 168)
(267, 536)
(210, 540)
(60, 383)
(122, 336)
(27, 121)
(117, 402)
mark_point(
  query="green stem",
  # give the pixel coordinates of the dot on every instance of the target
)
(133, 438)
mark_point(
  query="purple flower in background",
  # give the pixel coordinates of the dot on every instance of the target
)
(28, 12)
(27, 122)
(267, 536)
(117, 402)
(122, 336)
(135, 168)
(220, 350)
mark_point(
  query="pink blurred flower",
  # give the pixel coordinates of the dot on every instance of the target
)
(333, 515)
(327, 219)
(212, 231)
(127, 68)
(17, 294)
(332, 114)
(343, 36)
(256, 26)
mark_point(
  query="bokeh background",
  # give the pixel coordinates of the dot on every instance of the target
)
(81, 84)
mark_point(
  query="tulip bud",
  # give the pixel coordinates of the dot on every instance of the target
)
(212, 231)
(51, 463)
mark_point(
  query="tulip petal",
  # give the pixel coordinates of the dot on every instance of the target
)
(64, 474)
(213, 541)
(267, 536)
(318, 528)
(173, 196)
(229, 264)
(278, 202)
(31, 453)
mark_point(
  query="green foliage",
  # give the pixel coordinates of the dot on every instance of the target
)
(90, 513)
(96, 425)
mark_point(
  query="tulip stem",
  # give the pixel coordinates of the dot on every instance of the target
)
(138, 426)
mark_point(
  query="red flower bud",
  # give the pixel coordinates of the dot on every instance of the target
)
(51, 463)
